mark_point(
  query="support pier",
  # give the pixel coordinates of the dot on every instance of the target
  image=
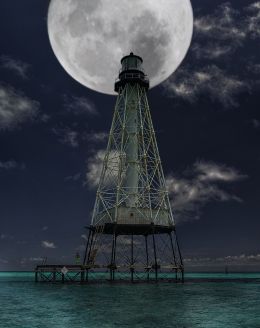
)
(87, 274)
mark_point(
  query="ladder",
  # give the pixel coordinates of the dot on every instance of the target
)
(95, 244)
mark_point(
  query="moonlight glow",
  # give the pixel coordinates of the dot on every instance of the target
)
(89, 37)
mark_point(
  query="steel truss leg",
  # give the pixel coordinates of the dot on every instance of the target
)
(54, 275)
(132, 258)
(147, 257)
(113, 255)
(82, 275)
(155, 258)
(86, 251)
(174, 257)
(180, 256)
(92, 233)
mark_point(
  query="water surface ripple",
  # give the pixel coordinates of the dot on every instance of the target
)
(219, 303)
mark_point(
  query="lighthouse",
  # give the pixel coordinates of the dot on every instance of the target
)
(132, 234)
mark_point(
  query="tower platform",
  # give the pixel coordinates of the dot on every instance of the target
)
(129, 229)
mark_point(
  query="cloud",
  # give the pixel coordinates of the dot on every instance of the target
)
(48, 244)
(21, 242)
(26, 260)
(84, 237)
(256, 123)
(225, 30)
(253, 19)
(15, 108)
(6, 237)
(225, 260)
(223, 26)
(94, 168)
(15, 65)
(253, 68)
(67, 136)
(209, 171)
(36, 259)
(242, 257)
(190, 84)
(202, 183)
(74, 177)
(95, 160)
(3, 261)
(211, 50)
(79, 105)
(44, 228)
(10, 165)
(218, 36)
(96, 137)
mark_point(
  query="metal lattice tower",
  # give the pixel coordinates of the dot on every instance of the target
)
(132, 218)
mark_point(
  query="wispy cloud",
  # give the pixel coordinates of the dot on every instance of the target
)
(209, 171)
(36, 259)
(74, 177)
(94, 161)
(21, 242)
(253, 68)
(226, 29)
(95, 164)
(217, 36)
(191, 84)
(241, 259)
(211, 50)
(220, 32)
(253, 19)
(96, 137)
(29, 260)
(48, 244)
(84, 237)
(67, 136)
(11, 165)
(202, 183)
(4, 236)
(17, 66)
(256, 123)
(94, 168)
(45, 228)
(3, 261)
(15, 108)
(79, 105)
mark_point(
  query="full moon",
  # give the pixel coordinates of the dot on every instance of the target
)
(89, 37)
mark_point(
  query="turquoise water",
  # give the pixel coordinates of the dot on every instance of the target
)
(205, 301)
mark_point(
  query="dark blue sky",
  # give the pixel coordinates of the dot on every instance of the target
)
(207, 122)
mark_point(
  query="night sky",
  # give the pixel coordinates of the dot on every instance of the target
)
(207, 121)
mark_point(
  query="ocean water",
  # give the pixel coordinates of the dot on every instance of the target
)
(203, 301)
